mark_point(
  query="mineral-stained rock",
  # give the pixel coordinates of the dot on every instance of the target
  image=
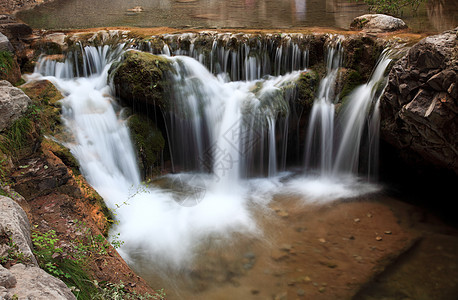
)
(13, 102)
(420, 105)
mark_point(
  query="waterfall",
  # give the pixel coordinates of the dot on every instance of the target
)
(241, 57)
(230, 114)
(101, 139)
(352, 121)
(224, 124)
(320, 133)
(333, 146)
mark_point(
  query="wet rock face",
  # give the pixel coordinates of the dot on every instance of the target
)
(420, 104)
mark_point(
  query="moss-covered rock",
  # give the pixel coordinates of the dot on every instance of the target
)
(148, 141)
(45, 108)
(361, 53)
(307, 86)
(140, 80)
(348, 80)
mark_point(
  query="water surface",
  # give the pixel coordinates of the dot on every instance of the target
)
(437, 15)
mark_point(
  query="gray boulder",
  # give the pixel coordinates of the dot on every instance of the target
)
(420, 105)
(5, 44)
(377, 23)
(34, 283)
(13, 103)
(15, 224)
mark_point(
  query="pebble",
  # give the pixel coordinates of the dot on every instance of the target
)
(322, 289)
(356, 220)
(387, 232)
(322, 240)
(300, 292)
(379, 238)
(286, 247)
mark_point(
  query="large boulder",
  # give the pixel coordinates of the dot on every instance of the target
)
(377, 23)
(140, 79)
(420, 104)
(13, 103)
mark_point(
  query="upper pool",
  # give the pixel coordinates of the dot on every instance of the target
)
(436, 15)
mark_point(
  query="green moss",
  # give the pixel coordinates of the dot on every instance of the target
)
(148, 141)
(46, 108)
(140, 78)
(307, 86)
(352, 80)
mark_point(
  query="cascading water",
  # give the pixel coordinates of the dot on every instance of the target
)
(221, 132)
(352, 121)
(219, 121)
(320, 133)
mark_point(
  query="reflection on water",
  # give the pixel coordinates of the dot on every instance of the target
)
(437, 15)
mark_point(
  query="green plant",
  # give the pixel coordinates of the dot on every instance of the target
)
(69, 267)
(13, 255)
(17, 137)
(6, 62)
(393, 7)
(119, 291)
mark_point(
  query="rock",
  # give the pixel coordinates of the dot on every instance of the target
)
(419, 106)
(34, 283)
(5, 44)
(39, 176)
(13, 103)
(14, 223)
(140, 79)
(7, 279)
(13, 29)
(148, 141)
(377, 23)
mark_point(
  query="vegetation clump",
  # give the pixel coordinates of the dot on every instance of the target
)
(392, 7)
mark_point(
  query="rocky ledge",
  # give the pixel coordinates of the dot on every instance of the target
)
(420, 104)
